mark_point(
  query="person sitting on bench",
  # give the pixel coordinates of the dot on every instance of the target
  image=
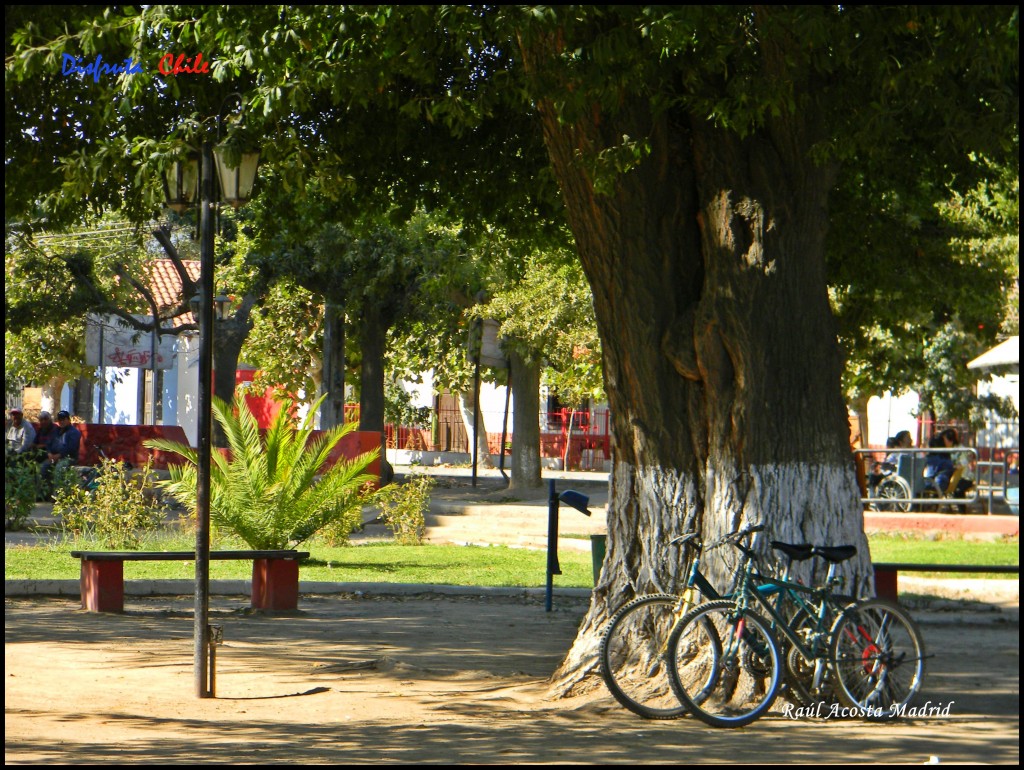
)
(942, 470)
(62, 449)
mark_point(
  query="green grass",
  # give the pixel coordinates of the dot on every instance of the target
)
(457, 565)
(375, 563)
(918, 550)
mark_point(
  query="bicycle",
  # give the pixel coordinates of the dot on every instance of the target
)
(863, 648)
(635, 642)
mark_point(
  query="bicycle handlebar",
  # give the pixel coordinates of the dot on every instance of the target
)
(735, 537)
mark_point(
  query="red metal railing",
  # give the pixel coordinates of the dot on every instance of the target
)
(589, 443)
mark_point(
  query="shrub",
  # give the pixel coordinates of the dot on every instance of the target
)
(115, 509)
(403, 508)
(21, 484)
(274, 491)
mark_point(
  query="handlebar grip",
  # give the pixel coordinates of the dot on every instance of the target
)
(735, 537)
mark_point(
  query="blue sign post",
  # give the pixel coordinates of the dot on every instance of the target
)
(578, 501)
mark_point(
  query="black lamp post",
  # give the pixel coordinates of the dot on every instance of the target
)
(237, 185)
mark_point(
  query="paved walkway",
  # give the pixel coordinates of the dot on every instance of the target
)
(428, 674)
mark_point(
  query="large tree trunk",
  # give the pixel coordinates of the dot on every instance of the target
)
(525, 384)
(721, 365)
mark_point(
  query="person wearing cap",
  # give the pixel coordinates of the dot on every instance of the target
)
(62, 448)
(20, 433)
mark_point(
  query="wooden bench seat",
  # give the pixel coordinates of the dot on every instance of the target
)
(887, 573)
(275, 575)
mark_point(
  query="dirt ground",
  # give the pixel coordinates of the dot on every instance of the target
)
(353, 679)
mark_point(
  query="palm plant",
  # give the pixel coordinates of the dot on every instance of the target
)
(273, 490)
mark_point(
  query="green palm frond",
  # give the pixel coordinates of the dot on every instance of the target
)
(273, 490)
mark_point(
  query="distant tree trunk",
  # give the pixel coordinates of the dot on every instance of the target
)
(228, 338)
(332, 378)
(525, 423)
(721, 362)
(483, 451)
(50, 398)
(372, 332)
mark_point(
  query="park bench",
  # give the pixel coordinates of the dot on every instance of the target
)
(887, 573)
(275, 576)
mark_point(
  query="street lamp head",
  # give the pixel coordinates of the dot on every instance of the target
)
(236, 182)
(221, 305)
(181, 180)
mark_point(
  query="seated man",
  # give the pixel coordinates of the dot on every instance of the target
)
(20, 434)
(44, 431)
(62, 449)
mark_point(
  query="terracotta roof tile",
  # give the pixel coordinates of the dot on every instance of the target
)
(166, 285)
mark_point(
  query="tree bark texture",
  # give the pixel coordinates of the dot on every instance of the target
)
(721, 362)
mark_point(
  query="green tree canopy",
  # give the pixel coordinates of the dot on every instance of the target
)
(708, 159)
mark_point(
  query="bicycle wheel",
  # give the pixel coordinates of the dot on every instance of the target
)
(633, 654)
(897, 490)
(877, 658)
(726, 665)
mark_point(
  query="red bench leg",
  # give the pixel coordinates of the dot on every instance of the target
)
(885, 584)
(102, 586)
(275, 584)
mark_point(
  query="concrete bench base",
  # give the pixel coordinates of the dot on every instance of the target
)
(275, 576)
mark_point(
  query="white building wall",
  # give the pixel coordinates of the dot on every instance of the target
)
(890, 414)
(1001, 432)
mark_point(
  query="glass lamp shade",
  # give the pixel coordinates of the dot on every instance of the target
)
(181, 180)
(221, 306)
(236, 183)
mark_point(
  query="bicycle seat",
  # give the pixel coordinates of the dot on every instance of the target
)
(835, 553)
(795, 551)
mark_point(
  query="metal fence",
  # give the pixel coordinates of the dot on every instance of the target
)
(581, 439)
(992, 477)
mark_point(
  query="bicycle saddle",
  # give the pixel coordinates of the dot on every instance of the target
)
(835, 553)
(795, 551)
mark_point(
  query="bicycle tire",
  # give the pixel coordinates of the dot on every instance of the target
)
(633, 655)
(878, 659)
(735, 684)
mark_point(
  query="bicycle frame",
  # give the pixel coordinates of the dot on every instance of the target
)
(815, 606)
